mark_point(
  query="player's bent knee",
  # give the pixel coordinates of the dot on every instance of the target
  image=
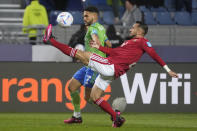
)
(70, 89)
(83, 56)
(86, 62)
(74, 85)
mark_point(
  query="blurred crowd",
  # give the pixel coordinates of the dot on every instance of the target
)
(177, 5)
(125, 12)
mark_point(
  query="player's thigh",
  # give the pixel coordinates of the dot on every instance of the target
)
(96, 93)
(77, 79)
(100, 86)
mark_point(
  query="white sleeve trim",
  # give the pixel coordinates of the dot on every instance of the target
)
(166, 68)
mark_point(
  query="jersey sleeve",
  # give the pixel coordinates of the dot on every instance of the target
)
(106, 50)
(147, 47)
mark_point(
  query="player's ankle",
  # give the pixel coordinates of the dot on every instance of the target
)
(77, 114)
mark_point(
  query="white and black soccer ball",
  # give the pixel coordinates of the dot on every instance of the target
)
(119, 103)
(65, 19)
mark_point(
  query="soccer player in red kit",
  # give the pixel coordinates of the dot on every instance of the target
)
(117, 63)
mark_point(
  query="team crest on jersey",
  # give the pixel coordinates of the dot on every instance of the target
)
(94, 31)
(149, 44)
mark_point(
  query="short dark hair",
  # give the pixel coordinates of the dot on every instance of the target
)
(143, 26)
(132, 2)
(92, 9)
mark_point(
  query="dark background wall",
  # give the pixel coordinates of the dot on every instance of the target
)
(145, 92)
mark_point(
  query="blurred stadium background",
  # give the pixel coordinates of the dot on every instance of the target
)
(167, 106)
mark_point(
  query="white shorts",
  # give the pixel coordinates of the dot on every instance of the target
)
(102, 82)
(104, 68)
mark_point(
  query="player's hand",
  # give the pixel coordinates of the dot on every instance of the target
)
(173, 74)
(93, 44)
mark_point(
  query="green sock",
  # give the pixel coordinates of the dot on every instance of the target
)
(76, 101)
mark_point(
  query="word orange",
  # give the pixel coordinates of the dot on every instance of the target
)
(32, 86)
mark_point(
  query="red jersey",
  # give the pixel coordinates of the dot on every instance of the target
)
(128, 53)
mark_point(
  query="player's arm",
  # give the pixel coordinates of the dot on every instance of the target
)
(95, 43)
(151, 52)
(95, 39)
(108, 43)
(106, 50)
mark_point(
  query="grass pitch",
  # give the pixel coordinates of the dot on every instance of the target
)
(98, 122)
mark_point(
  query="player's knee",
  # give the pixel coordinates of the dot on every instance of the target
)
(86, 60)
(83, 56)
(71, 89)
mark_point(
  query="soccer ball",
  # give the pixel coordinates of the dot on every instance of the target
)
(65, 19)
(119, 104)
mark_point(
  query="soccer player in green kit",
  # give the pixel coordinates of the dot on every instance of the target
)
(86, 76)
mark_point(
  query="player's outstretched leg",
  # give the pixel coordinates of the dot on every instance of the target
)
(81, 55)
(48, 34)
(49, 39)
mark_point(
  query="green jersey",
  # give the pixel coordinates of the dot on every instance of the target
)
(100, 31)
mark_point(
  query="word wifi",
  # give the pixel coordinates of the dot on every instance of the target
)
(176, 85)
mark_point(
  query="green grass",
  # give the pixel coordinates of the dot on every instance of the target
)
(97, 122)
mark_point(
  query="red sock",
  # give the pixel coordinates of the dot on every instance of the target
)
(106, 107)
(64, 48)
